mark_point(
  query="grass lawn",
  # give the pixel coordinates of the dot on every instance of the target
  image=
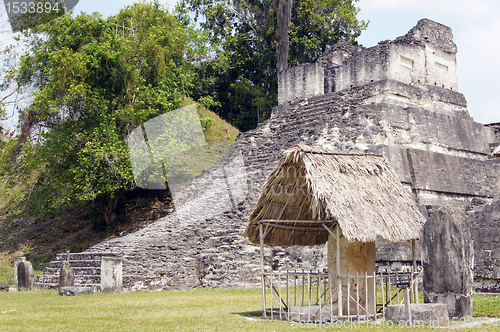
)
(191, 310)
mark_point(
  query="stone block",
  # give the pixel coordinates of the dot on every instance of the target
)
(25, 276)
(4, 288)
(446, 173)
(75, 291)
(448, 259)
(436, 128)
(66, 275)
(485, 224)
(17, 260)
(433, 314)
(301, 82)
(111, 275)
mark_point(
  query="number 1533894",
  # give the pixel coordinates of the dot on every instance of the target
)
(23, 7)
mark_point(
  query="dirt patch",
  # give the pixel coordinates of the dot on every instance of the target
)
(41, 238)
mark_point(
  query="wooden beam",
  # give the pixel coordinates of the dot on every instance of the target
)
(414, 273)
(339, 294)
(343, 153)
(330, 231)
(262, 271)
(291, 220)
(316, 229)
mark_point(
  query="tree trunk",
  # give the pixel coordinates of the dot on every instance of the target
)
(107, 205)
(284, 16)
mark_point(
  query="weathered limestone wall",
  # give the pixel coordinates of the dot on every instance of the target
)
(485, 225)
(440, 172)
(303, 81)
(424, 56)
(370, 65)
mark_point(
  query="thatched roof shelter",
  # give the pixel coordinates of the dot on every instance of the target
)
(311, 188)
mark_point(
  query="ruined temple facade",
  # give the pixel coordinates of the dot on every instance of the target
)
(413, 114)
(399, 99)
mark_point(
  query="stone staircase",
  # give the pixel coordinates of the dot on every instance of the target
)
(86, 268)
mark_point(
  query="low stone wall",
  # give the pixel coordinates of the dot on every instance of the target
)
(303, 81)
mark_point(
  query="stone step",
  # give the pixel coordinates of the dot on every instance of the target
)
(84, 280)
(46, 285)
(80, 271)
(94, 279)
(86, 268)
(47, 279)
(75, 263)
(86, 256)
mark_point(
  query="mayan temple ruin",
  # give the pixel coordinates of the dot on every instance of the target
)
(399, 99)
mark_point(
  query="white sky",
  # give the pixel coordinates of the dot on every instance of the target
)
(475, 26)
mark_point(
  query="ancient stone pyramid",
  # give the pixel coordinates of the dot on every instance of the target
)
(399, 99)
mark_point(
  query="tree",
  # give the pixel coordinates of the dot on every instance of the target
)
(95, 81)
(257, 38)
(283, 10)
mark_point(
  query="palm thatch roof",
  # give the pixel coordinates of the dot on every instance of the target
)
(311, 188)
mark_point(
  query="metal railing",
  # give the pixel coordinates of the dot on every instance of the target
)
(315, 295)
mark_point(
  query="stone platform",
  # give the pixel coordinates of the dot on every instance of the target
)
(428, 313)
(86, 268)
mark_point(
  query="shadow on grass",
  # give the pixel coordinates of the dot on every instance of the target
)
(257, 313)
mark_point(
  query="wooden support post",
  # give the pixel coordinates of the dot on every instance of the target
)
(330, 290)
(339, 291)
(318, 286)
(303, 285)
(272, 293)
(389, 298)
(366, 294)
(413, 248)
(357, 295)
(288, 293)
(320, 295)
(279, 291)
(295, 288)
(348, 295)
(309, 295)
(397, 278)
(374, 296)
(383, 298)
(406, 292)
(262, 271)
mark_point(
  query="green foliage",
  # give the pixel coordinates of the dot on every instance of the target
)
(317, 24)
(208, 101)
(93, 84)
(207, 123)
(242, 75)
(32, 14)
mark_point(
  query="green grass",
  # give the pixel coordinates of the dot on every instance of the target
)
(6, 275)
(487, 306)
(191, 310)
(7, 269)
